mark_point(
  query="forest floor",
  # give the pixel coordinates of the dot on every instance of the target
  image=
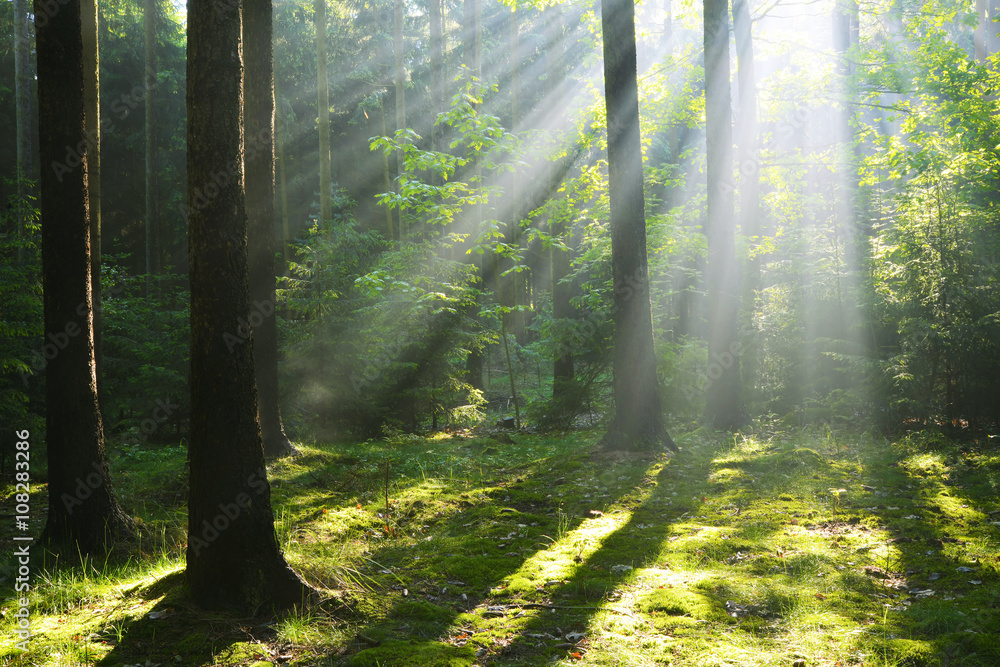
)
(813, 547)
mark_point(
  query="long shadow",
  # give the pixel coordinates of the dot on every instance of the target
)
(942, 593)
(176, 631)
(475, 564)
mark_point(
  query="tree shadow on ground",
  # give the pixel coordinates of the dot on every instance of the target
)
(176, 632)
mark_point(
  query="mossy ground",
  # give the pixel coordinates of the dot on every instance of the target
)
(756, 549)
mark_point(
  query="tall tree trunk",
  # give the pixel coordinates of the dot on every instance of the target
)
(323, 115)
(472, 33)
(562, 370)
(437, 72)
(258, 150)
(749, 165)
(638, 420)
(82, 503)
(233, 558)
(668, 26)
(92, 114)
(152, 213)
(471, 53)
(517, 282)
(22, 110)
(723, 400)
(399, 84)
(281, 138)
(850, 229)
(387, 179)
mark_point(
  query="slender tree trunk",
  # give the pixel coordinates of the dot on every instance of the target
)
(233, 558)
(92, 113)
(516, 281)
(850, 228)
(387, 178)
(82, 503)
(749, 166)
(152, 212)
(723, 400)
(471, 52)
(638, 420)
(562, 371)
(323, 114)
(281, 138)
(668, 26)
(437, 71)
(399, 84)
(22, 109)
(258, 151)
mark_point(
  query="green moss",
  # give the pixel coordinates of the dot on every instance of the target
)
(419, 610)
(675, 602)
(911, 652)
(414, 654)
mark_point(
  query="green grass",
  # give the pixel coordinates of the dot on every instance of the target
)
(758, 549)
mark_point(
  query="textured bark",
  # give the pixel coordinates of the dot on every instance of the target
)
(152, 213)
(638, 420)
(82, 504)
(323, 115)
(258, 115)
(723, 397)
(92, 116)
(233, 558)
(22, 108)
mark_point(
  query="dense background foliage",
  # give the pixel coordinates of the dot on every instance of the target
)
(872, 278)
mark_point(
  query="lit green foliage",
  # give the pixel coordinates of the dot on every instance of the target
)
(934, 267)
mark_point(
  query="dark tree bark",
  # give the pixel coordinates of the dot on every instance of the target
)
(22, 110)
(281, 139)
(638, 421)
(233, 558)
(92, 114)
(323, 114)
(724, 407)
(258, 150)
(82, 503)
(152, 212)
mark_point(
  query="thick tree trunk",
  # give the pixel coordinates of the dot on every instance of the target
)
(258, 151)
(638, 420)
(22, 110)
(723, 400)
(82, 504)
(323, 115)
(152, 212)
(233, 558)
